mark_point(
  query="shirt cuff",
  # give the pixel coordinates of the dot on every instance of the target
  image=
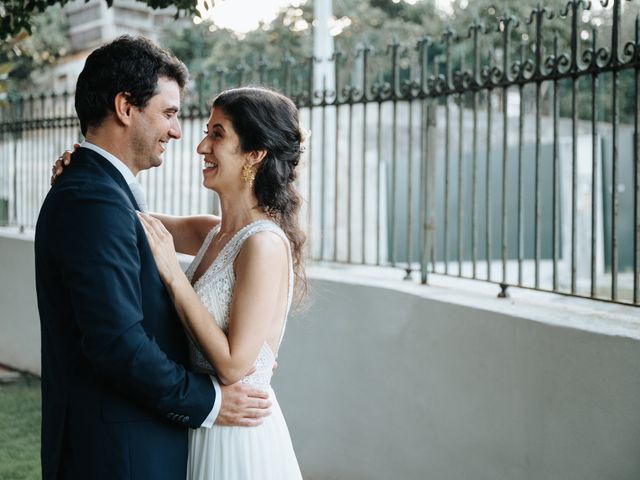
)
(211, 418)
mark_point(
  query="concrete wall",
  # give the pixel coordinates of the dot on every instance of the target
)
(377, 384)
(385, 379)
(19, 325)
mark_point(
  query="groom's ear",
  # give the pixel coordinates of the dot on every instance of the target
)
(123, 108)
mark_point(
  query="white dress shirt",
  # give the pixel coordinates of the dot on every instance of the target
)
(130, 178)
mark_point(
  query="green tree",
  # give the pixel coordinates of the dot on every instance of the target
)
(376, 24)
(227, 57)
(17, 15)
(25, 56)
(222, 54)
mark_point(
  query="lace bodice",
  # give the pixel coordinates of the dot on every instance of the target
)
(215, 289)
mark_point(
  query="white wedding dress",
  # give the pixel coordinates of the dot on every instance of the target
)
(239, 453)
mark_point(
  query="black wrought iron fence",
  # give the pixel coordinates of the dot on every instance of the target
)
(507, 153)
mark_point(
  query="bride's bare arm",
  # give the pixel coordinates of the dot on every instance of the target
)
(188, 232)
(261, 272)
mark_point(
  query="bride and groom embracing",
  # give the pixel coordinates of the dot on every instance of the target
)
(147, 372)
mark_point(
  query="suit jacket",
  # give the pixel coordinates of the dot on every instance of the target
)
(116, 397)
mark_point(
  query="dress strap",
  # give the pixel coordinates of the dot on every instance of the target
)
(203, 248)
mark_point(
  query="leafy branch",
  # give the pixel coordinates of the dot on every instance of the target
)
(16, 15)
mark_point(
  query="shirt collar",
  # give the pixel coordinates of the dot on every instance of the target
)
(128, 175)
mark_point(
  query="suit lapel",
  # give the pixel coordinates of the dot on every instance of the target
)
(106, 166)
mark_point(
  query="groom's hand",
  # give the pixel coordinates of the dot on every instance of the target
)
(243, 406)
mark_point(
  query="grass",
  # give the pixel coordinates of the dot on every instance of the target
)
(20, 429)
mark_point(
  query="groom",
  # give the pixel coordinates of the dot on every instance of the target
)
(116, 396)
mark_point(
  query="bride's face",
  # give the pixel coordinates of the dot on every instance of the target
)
(223, 156)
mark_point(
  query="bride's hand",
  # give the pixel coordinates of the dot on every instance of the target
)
(63, 161)
(162, 247)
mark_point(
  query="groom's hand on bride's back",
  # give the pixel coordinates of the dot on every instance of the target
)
(243, 406)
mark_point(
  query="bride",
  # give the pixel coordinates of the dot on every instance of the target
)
(235, 297)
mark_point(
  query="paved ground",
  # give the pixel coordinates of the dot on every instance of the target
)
(8, 376)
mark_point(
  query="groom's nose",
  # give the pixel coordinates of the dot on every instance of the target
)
(174, 129)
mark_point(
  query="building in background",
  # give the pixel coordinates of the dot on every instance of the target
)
(93, 23)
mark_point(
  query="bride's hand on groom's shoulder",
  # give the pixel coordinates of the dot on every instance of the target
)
(162, 247)
(63, 161)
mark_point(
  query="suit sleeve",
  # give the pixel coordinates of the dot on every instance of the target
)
(101, 273)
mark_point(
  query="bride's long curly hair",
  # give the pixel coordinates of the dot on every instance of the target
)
(267, 120)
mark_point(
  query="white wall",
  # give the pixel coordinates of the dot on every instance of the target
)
(19, 326)
(391, 380)
(378, 384)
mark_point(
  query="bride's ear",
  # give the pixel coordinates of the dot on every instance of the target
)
(256, 156)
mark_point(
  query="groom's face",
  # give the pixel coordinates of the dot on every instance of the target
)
(156, 124)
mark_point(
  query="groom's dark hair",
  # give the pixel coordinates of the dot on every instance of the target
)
(130, 65)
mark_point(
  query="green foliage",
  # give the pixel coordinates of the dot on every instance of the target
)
(16, 15)
(20, 418)
(31, 54)
(223, 55)
(220, 57)
(377, 22)
(220, 54)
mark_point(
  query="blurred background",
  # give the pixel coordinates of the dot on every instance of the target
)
(472, 203)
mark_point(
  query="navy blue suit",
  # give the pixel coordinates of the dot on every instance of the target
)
(116, 397)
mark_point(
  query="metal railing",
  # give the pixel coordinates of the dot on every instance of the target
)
(507, 154)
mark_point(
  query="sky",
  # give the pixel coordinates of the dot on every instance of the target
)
(245, 15)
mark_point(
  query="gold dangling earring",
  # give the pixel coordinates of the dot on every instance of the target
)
(248, 175)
